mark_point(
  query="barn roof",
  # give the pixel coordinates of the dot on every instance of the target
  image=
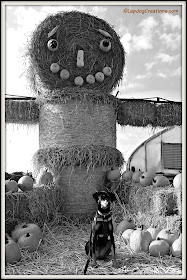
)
(149, 139)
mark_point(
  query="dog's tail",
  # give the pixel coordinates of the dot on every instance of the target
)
(88, 249)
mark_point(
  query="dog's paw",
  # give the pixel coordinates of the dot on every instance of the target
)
(94, 265)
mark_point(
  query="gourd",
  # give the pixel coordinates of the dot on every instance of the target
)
(80, 58)
(11, 185)
(126, 235)
(146, 179)
(136, 176)
(154, 232)
(29, 241)
(176, 247)
(12, 251)
(113, 175)
(127, 175)
(140, 239)
(177, 181)
(44, 177)
(124, 225)
(25, 183)
(159, 247)
(168, 236)
(160, 181)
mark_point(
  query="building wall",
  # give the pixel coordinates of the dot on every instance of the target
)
(148, 156)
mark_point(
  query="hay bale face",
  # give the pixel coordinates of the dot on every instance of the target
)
(75, 50)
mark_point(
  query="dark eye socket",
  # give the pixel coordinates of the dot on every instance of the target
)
(52, 45)
(105, 45)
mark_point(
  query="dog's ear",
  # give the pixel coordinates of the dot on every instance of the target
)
(95, 196)
(112, 196)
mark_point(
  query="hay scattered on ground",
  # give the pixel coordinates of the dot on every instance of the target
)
(61, 252)
(89, 156)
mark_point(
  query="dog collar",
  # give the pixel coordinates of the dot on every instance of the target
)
(100, 217)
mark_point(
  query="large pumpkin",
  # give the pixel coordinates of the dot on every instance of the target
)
(12, 251)
(176, 247)
(168, 235)
(159, 247)
(140, 239)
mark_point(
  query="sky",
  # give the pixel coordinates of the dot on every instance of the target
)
(152, 39)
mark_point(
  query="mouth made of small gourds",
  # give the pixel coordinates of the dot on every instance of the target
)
(99, 76)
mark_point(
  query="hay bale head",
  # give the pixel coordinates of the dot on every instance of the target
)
(76, 123)
(71, 50)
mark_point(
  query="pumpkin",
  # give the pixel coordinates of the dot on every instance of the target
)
(177, 181)
(167, 235)
(113, 175)
(11, 185)
(25, 183)
(146, 179)
(24, 228)
(127, 175)
(124, 225)
(136, 176)
(12, 251)
(126, 235)
(29, 241)
(44, 178)
(154, 232)
(140, 239)
(159, 247)
(176, 247)
(160, 181)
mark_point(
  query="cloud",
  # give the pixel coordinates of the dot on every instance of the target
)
(166, 58)
(144, 40)
(126, 41)
(168, 20)
(144, 76)
(162, 75)
(171, 40)
(149, 65)
(148, 24)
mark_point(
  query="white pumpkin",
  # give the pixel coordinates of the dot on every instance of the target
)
(177, 181)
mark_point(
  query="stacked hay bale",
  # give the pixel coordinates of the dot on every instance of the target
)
(76, 60)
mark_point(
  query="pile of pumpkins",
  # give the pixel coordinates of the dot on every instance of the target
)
(26, 236)
(155, 241)
(151, 178)
(26, 182)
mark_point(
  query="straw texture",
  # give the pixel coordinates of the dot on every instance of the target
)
(74, 31)
(76, 123)
(78, 185)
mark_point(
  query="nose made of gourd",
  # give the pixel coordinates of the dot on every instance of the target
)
(80, 58)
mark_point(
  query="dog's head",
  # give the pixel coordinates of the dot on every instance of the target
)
(104, 199)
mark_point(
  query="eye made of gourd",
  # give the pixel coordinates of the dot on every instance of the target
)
(52, 45)
(105, 45)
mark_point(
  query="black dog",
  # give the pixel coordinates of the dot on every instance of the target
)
(101, 241)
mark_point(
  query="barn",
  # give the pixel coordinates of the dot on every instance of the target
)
(160, 153)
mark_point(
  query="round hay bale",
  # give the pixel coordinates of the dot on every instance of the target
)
(77, 123)
(74, 44)
(78, 184)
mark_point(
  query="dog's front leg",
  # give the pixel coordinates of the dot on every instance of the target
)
(94, 250)
(112, 245)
